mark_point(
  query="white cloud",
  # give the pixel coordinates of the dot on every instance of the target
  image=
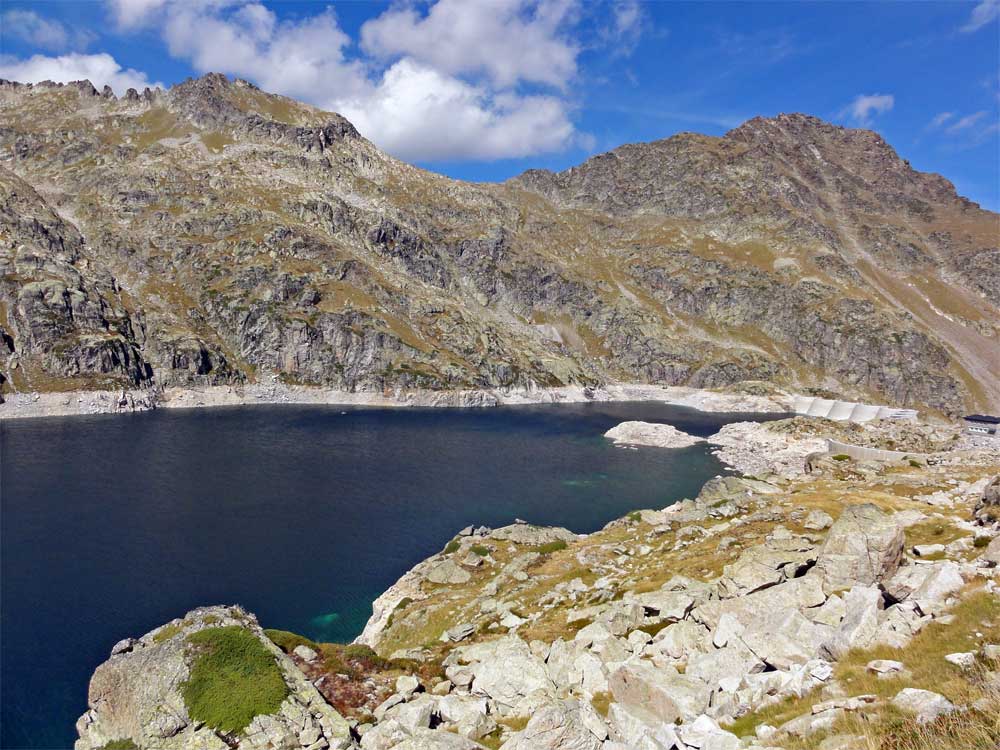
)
(982, 14)
(865, 106)
(418, 113)
(966, 122)
(939, 120)
(130, 14)
(42, 32)
(507, 40)
(965, 132)
(622, 35)
(100, 69)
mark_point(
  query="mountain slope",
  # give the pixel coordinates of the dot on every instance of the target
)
(217, 234)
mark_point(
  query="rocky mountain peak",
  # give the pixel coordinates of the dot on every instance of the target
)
(232, 235)
(794, 123)
(216, 101)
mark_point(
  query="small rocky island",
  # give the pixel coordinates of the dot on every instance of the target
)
(652, 434)
(823, 603)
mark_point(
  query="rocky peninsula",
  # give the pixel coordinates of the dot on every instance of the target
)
(823, 603)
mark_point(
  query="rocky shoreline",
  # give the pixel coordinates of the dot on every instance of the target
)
(74, 403)
(827, 604)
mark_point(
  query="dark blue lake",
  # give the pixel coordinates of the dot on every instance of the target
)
(112, 525)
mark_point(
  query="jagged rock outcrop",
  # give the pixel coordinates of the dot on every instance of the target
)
(225, 235)
(140, 695)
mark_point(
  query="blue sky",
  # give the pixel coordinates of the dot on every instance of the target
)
(483, 89)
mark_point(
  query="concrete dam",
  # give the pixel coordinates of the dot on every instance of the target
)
(848, 411)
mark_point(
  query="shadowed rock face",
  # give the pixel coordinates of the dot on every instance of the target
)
(217, 234)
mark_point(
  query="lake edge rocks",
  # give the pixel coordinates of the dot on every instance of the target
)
(672, 664)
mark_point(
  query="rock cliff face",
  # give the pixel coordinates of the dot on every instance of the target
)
(216, 234)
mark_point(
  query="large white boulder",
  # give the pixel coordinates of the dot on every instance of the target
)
(664, 692)
(925, 704)
(565, 725)
(505, 670)
(864, 546)
(860, 626)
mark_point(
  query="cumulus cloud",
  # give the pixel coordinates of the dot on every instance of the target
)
(865, 106)
(418, 113)
(130, 14)
(303, 59)
(42, 32)
(101, 69)
(462, 80)
(507, 40)
(982, 14)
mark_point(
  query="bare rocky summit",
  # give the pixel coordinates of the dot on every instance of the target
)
(214, 234)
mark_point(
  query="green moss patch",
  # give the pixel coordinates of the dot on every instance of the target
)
(233, 679)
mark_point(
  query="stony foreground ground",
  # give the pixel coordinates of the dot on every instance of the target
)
(822, 603)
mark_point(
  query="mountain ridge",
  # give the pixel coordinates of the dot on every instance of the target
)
(245, 235)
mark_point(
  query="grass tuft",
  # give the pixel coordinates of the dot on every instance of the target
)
(233, 679)
(166, 633)
(287, 641)
(550, 547)
(601, 702)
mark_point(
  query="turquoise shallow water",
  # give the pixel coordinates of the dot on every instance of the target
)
(112, 525)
